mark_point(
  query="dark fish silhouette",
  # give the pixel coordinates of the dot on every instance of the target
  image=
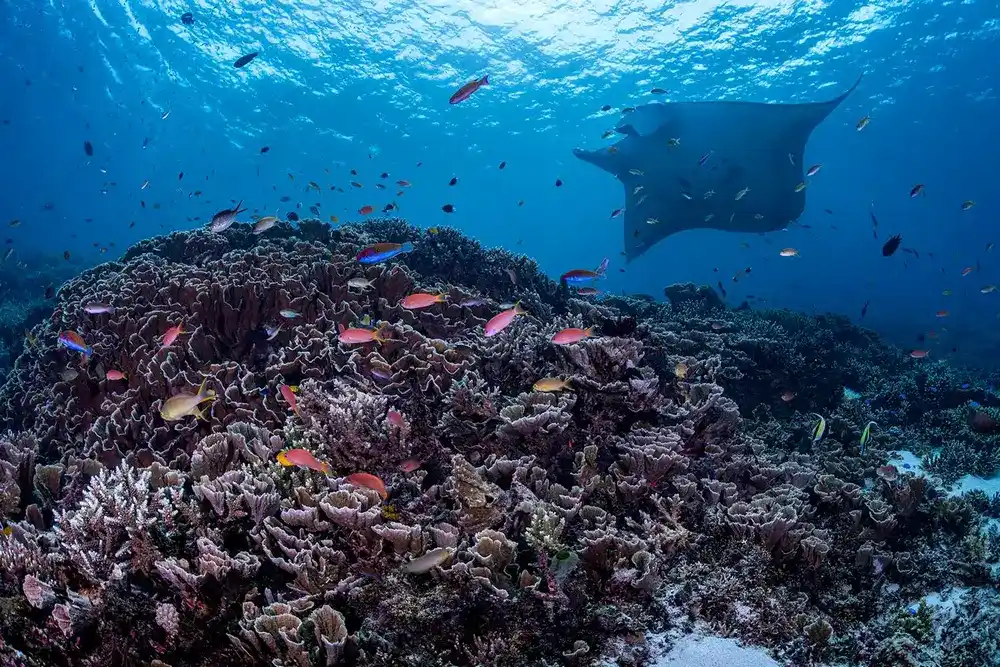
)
(864, 310)
(892, 245)
(88, 148)
(753, 193)
(187, 18)
(245, 60)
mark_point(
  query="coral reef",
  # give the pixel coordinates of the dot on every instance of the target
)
(671, 483)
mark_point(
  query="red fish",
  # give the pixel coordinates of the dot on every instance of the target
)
(289, 395)
(466, 91)
(369, 481)
(572, 335)
(171, 335)
(302, 458)
(501, 321)
(116, 375)
(359, 336)
(422, 300)
(919, 354)
(366, 210)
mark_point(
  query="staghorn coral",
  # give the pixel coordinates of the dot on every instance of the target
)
(669, 481)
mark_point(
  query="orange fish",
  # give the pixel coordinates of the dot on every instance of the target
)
(302, 458)
(942, 313)
(369, 481)
(116, 375)
(366, 210)
(171, 335)
(422, 300)
(919, 354)
(289, 395)
(572, 335)
(501, 321)
(361, 336)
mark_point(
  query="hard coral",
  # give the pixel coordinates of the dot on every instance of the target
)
(667, 477)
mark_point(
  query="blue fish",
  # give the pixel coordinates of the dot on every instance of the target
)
(74, 341)
(965, 385)
(975, 404)
(380, 252)
(933, 390)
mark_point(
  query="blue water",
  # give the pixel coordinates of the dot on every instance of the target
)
(365, 85)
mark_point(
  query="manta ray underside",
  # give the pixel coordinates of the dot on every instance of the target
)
(734, 166)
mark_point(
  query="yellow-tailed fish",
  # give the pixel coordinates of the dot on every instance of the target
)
(185, 404)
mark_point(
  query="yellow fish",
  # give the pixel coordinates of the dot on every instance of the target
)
(866, 435)
(681, 370)
(551, 384)
(185, 404)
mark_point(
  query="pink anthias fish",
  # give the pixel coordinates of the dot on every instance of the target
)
(422, 300)
(395, 418)
(361, 336)
(171, 335)
(409, 465)
(114, 375)
(501, 321)
(303, 459)
(572, 335)
(288, 393)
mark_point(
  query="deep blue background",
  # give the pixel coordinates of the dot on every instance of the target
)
(336, 81)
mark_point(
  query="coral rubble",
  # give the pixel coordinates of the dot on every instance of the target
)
(674, 482)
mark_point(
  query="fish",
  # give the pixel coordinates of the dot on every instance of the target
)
(289, 314)
(360, 283)
(369, 481)
(468, 89)
(705, 158)
(472, 302)
(302, 458)
(264, 224)
(636, 172)
(502, 320)
(680, 370)
(863, 123)
(264, 149)
(967, 270)
(550, 385)
(742, 193)
(453, 181)
(245, 60)
(967, 204)
(145, 184)
(313, 185)
(409, 465)
(559, 182)
(813, 170)
(427, 562)
(288, 393)
(115, 375)
(366, 210)
(891, 245)
(587, 291)
(572, 335)
(395, 418)
(171, 335)
(88, 148)
(272, 331)
(864, 310)
(14, 223)
(919, 354)
(789, 252)
(917, 190)
(819, 429)
(578, 276)
(801, 186)
(180, 176)
(361, 336)
(185, 404)
(988, 288)
(403, 184)
(866, 435)
(788, 396)
(225, 218)
(293, 216)
(381, 252)
(421, 300)
(74, 341)
(942, 313)
(95, 308)
(502, 165)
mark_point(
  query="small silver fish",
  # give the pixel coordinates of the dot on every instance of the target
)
(641, 199)
(225, 218)
(686, 196)
(289, 314)
(652, 221)
(637, 190)
(635, 172)
(264, 224)
(709, 217)
(471, 303)
(708, 195)
(98, 308)
(359, 283)
(144, 185)
(742, 193)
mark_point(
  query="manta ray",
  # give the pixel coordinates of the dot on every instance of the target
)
(734, 166)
